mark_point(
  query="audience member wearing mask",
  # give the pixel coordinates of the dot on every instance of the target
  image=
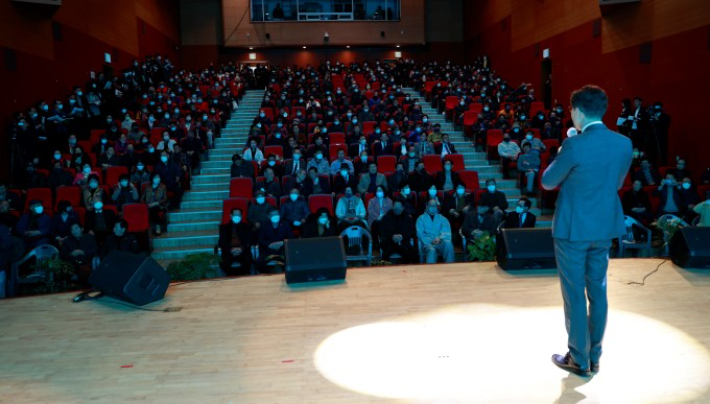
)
(434, 234)
(156, 197)
(397, 233)
(235, 242)
(521, 217)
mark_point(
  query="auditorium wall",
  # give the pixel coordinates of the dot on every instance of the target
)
(588, 47)
(47, 66)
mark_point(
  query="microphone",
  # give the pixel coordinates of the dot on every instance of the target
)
(572, 132)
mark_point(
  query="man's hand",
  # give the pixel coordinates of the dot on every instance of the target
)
(496, 209)
(436, 241)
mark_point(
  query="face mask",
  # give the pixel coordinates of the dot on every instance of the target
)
(151, 150)
(519, 209)
(406, 191)
(319, 156)
(425, 120)
(491, 188)
(432, 210)
(140, 168)
(686, 185)
(275, 219)
(486, 109)
(460, 191)
(529, 137)
(236, 219)
(156, 183)
(432, 192)
(323, 220)
(294, 197)
(164, 159)
(262, 115)
(98, 205)
(354, 120)
(104, 141)
(380, 194)
(447, 167)
(87, 170)
(296, 156)
(93, 185)
(57, 156)
(260, 199)
(39, 210)
(272, 163)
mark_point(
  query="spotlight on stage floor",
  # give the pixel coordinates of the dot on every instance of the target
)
(492, 353)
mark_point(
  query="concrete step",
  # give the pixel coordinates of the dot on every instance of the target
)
(193, 226)
(187, 239)
(216, 186)
(187, 215)
(216, 171)
(210, 179)
(176, 253)
(217, 162)
(204, 195)
(206, 204)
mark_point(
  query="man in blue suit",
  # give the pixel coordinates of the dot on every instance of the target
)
(589, 169)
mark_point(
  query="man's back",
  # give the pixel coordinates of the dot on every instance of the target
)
(590, 168)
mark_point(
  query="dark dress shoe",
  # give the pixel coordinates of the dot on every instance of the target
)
(566, 363)
(594, 368)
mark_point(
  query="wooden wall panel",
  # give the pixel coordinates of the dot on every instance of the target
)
(20, 29)
(162, 15)
(341, 33)
(111, 22)
(652, 19)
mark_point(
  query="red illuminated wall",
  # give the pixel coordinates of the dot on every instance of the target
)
(676, 75)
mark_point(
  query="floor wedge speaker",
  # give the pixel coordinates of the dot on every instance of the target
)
(315, 259)
(525, 249)
(134, 278)
(690, 247)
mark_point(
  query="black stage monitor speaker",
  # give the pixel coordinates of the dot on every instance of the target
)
(526, 249)
(137, 279)
(690, 247)
(315, 259)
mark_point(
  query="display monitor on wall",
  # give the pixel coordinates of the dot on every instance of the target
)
(324, 10)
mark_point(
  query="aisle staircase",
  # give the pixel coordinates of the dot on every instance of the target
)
(194, 227)
(478, 161)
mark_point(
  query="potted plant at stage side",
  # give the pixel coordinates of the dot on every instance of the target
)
(669, 225)
(194, 267)
(482, 248)
(53, 275)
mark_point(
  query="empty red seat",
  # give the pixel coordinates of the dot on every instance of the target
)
(71, 194)
(241, 187)
(112, 174)
(136, 215)
(469, 179)
(337, 137)
(536, 106)
(386, 164)
(432, 163)
(318, 201)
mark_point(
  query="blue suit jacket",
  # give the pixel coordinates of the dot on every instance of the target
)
(590, 169)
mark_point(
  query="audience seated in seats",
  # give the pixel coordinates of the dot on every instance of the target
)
(320, 224)
(397, 233)
(241, 167)
(350, 210)
(119, 240)
(34, 227)
(12, 198)
(320, 163)
(258, 214)
(340, 163)
(124, 192)
(62, 221)
(78, 248)
(508, 152)
(477, 223)
(253, 153)
(99, 221)
(294, 211)
(409, 199)
(420, 180)
(59, 177)
(529, 165)
(521, 217)
(273, 163)
(270, 184)
(320, 186)
(271, 239)
(108, 159)
(671, 197)
(235, 241)
(301, 182)
(156, 197)
(434, 234)
(140, 174)
(448, 179)
(495, 200)
(703, 209)
(82, 178)
(647, 174)
(93, 193)
(7, 218)
(689, 196)
(170, 176)
(362, 166)
(680, 170)
(637, 204)
(377, 208)
(536, 145)
(292, 166)
(456, 206)
(370, 181)
(410, 160)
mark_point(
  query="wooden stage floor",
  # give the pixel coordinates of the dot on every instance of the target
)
(459, 333)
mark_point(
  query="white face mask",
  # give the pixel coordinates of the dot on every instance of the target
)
(380, 194)
(275, 219)
(294, 197)
(491, 188)
(236, 219)
(322, 220)
(432, 192)
(98, 205)
(260, 199)
(519, 209)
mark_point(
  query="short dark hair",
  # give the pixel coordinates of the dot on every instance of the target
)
(122, 224)
(591, 100)
(527, 202)
(236, 210)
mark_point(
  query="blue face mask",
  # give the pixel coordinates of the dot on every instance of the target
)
(491, 188)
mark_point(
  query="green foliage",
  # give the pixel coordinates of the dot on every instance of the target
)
(56, 274)
(483, 248)
(193, 267)
(379, 263)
